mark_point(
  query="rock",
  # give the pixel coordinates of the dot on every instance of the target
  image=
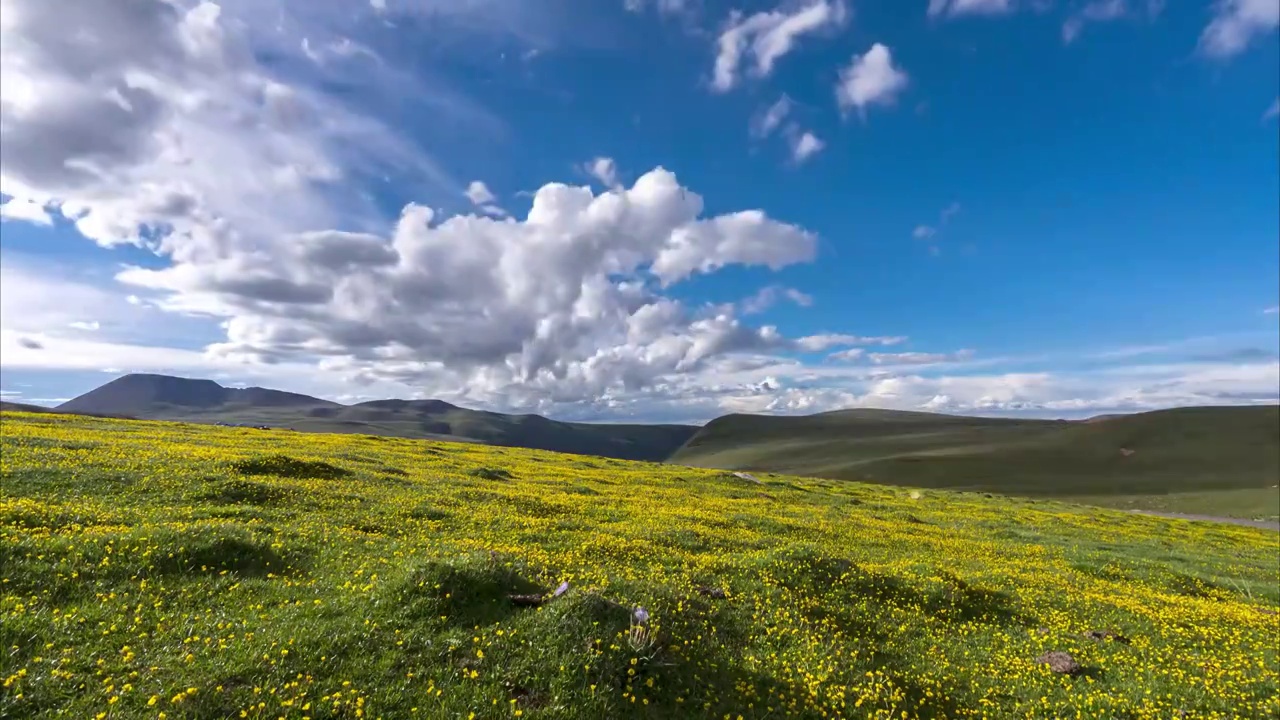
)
(1042, 631)
(1060, 662)
(526, 600)
(712, 592)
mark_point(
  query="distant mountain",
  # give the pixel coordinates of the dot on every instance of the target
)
(1183, 450)
(162, 397)
(146, 396)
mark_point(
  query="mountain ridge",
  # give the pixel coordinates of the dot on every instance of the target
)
(150, 396)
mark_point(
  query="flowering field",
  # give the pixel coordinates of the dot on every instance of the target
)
(157, 570)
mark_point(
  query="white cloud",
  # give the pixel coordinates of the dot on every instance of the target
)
(1273, 111)
(478, 193)
(924, 232)
(806, 146)
(771, 119)
(826, 341)
(870, 79)
(153, 123)
(1272, 310)
(848, 355)
(605, 170)
(1236, 23)
(1044, 394)
(919, 358)
(766, 37)
(1105, 11)
(35, 298)
(561, 305)
(25, 210)
(481, 197)
(954, 8)
(737, 372)
(664, 7)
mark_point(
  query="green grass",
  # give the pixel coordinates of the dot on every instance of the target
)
(1259, 504)
(1193, 460)
(154, 568)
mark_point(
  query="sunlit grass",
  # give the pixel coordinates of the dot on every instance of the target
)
(161, 570)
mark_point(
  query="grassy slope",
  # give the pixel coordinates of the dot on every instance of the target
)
(635, 442)
(1199, 460)
(217, 570)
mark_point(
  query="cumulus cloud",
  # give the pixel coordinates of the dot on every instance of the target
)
(870, 79)
(955, 8)
(25, 210)
(765, 37)
(1235, 25)
(755, 378)
(564, 304)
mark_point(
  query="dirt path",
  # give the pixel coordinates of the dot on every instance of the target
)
(1263, 524)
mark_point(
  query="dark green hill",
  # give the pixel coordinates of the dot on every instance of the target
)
(161, 397)
(1215, 460)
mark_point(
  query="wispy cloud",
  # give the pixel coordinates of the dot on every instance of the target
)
(957, 8)
(930, 232)
(1236, 24)
(766, 37)
(1273, 110)
(603, 169)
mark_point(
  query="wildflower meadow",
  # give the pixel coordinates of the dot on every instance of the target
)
(161, 570)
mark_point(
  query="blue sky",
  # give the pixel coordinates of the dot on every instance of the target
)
(975, 206)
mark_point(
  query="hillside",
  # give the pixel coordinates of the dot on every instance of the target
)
(161, 397)
(206, 572)
(1211, 460)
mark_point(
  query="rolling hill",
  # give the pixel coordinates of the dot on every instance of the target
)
(1212, 460)
(162, 397)
(1206, 460)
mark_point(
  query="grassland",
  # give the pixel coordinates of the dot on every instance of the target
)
(1203, 460)
(159, 570)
